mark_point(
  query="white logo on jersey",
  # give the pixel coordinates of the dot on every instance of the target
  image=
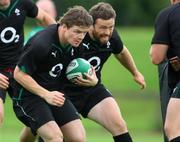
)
(17, 11)
(108, 44)
(175, 89)
(14, 37)
(72, 52)
(56, 70)
(86, 45)
(97, 60)
(54, 53)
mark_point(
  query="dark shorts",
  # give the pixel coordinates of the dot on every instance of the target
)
(176, 91)
(34, 112)
(84, 100)
(8, 72)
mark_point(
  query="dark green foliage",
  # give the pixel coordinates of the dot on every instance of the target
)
(129, 12)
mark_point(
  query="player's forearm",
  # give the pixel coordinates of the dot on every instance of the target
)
(47, 20)
(29, 83)
(127, 61)
(44, 18)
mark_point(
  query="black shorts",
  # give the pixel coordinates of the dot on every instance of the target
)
(8, 72)
(176, 91)
(34, 112)
(84, 100)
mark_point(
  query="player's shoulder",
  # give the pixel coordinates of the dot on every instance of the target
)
(47, 34)
(87, 38)
(115, 34)
(168, 10)
(25, 1)
(44, 38)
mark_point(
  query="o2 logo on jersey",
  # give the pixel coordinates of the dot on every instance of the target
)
(14, 37)
(56, 70)
(95, 61)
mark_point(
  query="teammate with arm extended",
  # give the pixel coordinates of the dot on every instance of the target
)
(12, 17)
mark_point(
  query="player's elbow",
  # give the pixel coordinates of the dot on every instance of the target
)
(155, 59)
(158, 53)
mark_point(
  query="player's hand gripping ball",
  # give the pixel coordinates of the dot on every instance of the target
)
(78, 67)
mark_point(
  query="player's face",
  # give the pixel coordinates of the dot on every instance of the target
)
(4, 4)
(103, 29)
(75, 35)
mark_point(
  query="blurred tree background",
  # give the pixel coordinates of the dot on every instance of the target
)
(129, 12)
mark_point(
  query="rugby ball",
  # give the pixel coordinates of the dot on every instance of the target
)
(78, 67)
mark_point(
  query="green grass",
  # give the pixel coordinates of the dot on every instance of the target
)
(140, 112)
(138, 41)
(140, 109)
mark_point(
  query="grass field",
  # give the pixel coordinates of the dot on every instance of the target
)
(140, 109)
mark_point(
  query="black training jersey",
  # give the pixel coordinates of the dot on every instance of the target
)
(45, 59)
(167, 31)
(97, 54)
(11, 30)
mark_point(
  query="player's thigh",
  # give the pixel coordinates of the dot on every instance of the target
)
(172, 116)
(106, 112)
(33, 111)
(65, 113)
(69, 121)
(74, 131)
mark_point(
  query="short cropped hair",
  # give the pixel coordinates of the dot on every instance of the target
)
(76, 16)
(103, 11)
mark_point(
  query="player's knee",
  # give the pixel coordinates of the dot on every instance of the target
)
(78, 137)
(121, 125)
(118, 127)
(53, 136)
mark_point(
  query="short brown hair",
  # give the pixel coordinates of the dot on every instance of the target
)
(103, 11)
(76, 16)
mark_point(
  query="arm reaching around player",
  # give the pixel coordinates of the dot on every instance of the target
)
(127, 61)
(52, 97)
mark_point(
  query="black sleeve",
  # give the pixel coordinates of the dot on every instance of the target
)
(30, 8)
(117, 44)
(32, 57)
(161, 35)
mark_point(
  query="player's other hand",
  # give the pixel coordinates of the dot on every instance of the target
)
(175, 63)
(55, 98)
(139, 78)
(4, 81)
(90, 80)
